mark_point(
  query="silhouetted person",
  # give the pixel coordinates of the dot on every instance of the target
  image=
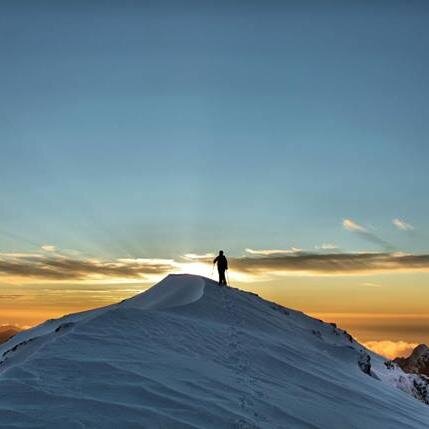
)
(222, 266)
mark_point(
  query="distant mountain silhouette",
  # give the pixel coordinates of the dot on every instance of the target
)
(417, 362)
(7, 332)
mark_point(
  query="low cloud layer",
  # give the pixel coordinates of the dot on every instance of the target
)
(391, 349)
(332, 263)
(255, 265)
(65, 268)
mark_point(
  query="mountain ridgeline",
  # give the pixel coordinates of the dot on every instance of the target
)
(189, 354)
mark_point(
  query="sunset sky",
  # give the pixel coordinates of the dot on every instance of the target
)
(139, 138)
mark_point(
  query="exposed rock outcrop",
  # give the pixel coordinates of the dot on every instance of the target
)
(417, 362)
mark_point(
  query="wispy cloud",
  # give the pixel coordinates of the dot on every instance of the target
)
(371, 284)
(10, 297)
(402, 225)
(391, 349)
(197, 257)
(48, 248)
(327, 246)
(269, 252)
(351, 225)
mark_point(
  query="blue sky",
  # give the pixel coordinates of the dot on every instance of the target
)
(153, 129)
(134, 132)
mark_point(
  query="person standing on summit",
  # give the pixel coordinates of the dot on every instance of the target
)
(222, 266)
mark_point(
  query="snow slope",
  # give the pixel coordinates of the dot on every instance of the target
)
(188, 354)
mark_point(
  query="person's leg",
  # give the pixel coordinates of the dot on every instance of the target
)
(222, 279)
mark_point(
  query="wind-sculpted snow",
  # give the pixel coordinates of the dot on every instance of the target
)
(188, 354)
(173, 291)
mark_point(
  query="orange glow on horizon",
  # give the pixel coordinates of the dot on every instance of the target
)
(374, 310)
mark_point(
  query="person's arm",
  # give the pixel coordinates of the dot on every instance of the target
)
(215, 260)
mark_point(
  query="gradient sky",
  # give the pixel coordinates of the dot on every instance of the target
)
(154, 129)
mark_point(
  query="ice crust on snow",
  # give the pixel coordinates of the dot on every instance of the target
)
(188, 354)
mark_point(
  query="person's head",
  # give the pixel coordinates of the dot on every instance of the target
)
(220, 252)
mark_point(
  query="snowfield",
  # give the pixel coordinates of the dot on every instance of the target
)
(189, 354)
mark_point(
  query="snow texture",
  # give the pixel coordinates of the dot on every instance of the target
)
(189, 354)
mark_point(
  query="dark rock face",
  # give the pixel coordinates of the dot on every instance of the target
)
(421, 389)
(417, 362)
(389, 365)
(364, 363)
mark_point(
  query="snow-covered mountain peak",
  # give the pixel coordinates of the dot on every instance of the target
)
(188, 353)
(174, 291)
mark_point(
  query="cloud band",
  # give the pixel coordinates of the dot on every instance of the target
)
(64, 268)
